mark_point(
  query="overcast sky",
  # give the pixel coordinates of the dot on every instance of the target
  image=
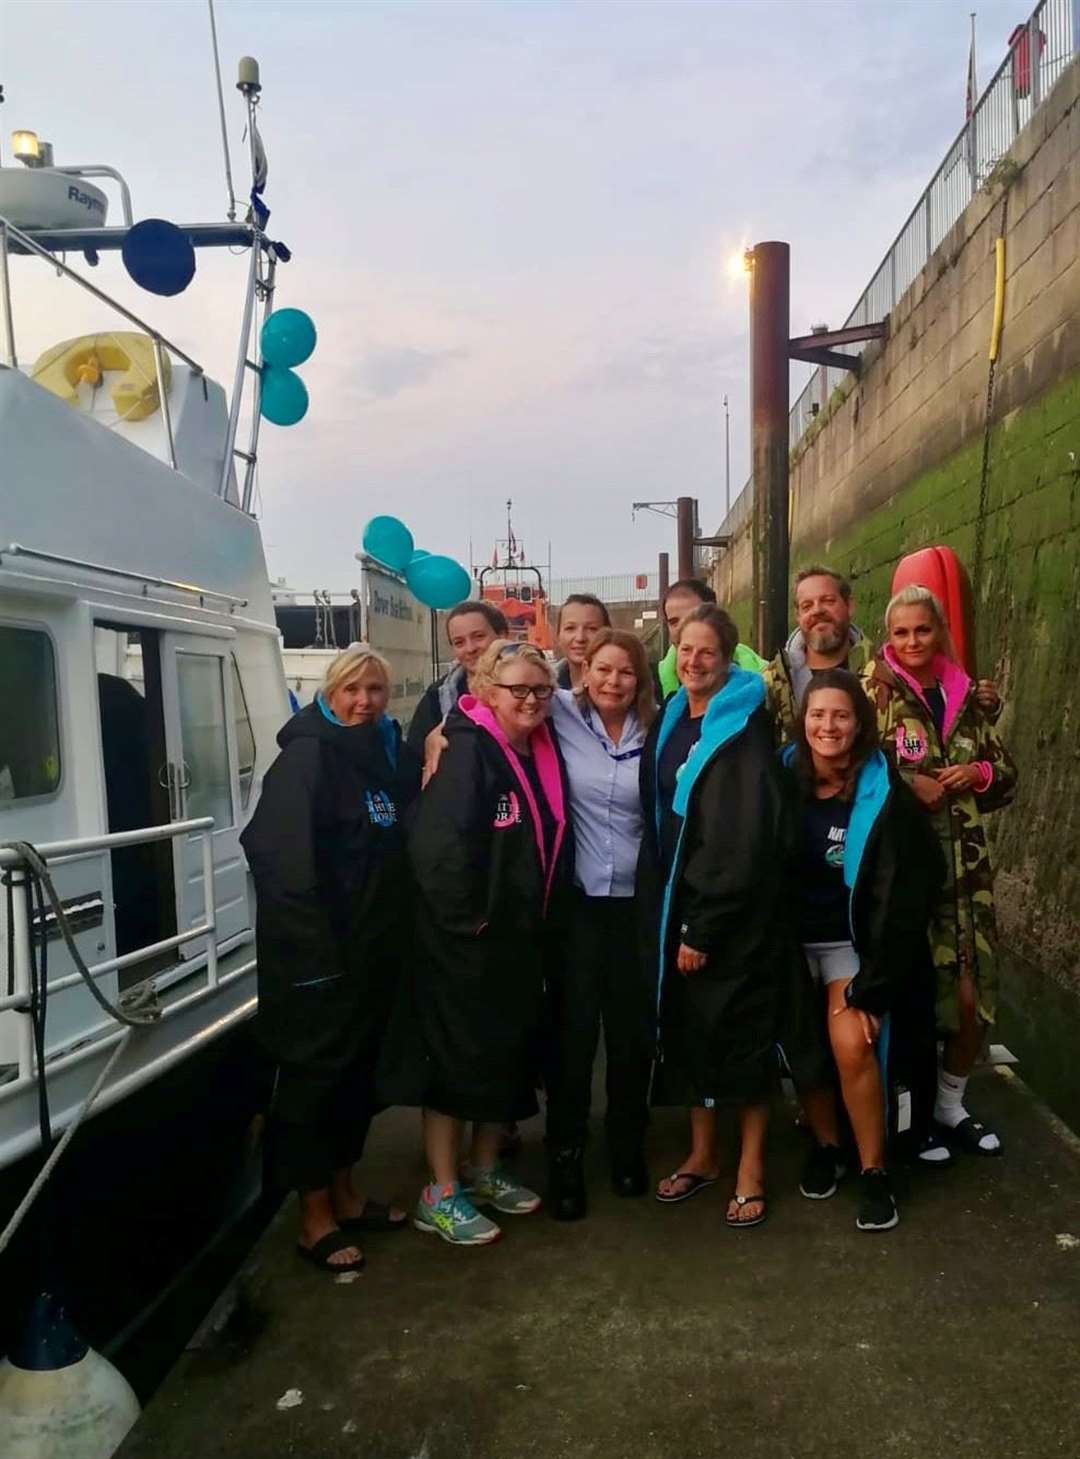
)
(512, 223)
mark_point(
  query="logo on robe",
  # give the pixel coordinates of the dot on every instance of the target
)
(507, 811)
(380, 808)
(911, 743)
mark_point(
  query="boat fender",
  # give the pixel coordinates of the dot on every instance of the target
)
(59, 1399)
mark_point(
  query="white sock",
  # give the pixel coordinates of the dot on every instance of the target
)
(949, 1106)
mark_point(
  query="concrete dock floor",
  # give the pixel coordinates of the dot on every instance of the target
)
(655, 1332)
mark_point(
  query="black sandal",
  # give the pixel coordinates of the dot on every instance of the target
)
(697, 1183)
(326, 1247)
(374, 1217)
(966, 1136)
(735, 1223)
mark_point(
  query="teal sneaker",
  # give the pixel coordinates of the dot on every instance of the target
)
(453, 1217)
(498, 1188)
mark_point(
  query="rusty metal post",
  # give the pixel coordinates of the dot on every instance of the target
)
(662, 587)
(770, 308)
(685, 535)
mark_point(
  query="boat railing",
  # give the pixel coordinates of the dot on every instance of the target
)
(16, 869)
(10, 234)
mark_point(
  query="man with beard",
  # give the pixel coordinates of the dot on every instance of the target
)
(824, 638)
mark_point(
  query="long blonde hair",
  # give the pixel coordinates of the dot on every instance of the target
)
(486, 673)
(351, 661)
(915, 595)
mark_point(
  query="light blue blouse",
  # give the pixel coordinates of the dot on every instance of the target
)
(605, 803)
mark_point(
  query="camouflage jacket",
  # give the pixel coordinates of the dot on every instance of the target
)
(783, 673)
(962, 931)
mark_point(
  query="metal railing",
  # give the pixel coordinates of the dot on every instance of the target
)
(9, 234)
(614, 588)
(58, 853)
(1039, 53)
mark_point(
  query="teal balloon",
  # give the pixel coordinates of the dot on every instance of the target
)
(419, 554)
(438, 582)
(288, 337)
(390, 542)
(284, 398)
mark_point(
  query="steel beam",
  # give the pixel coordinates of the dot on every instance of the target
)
(662, 586)
(685, 517)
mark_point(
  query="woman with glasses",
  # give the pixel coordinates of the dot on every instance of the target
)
(601, 728)
(489, 849)
(713, 861)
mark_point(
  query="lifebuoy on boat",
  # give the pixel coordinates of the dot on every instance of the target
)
(64, 367)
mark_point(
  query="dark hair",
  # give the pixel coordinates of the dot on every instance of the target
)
(496, 622)
(866, 729)
(634, 649)
(587, 600)
(843, 587)
(727, 635)
(691, 586)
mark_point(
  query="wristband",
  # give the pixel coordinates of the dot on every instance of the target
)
(986, 775)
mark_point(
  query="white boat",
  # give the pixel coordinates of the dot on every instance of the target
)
(142, 692)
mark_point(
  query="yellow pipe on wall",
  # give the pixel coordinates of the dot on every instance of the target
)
(999, 298)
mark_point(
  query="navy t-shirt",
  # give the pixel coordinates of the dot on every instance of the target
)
(684, 736)
(548, 824)
(823, 909)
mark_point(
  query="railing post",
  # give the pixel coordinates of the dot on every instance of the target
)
(1034, 59)
(163, 401)
(209, 907)
(929, 233)
(5, 292)
(19, 906)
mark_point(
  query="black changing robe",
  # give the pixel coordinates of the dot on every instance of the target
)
(327, 855)
(723, 895)
(467, 1042)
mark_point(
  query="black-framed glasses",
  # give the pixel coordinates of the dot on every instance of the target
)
(540, 692)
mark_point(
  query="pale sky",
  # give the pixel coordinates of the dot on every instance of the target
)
(512, 224)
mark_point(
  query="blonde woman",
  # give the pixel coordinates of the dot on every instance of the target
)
(489, 852)
(936, 733)
(327, 855)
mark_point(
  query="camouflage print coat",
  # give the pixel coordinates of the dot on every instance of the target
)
(962, 929)
(787, 675)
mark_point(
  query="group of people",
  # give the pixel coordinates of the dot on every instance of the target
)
(733, 868)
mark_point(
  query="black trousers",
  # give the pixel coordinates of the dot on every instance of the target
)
(318, 1124)
(601, 980)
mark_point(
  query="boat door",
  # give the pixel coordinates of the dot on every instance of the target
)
(206, 735)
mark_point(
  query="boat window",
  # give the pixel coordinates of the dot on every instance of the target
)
(29, 726)
(245, 737)
(203, 736)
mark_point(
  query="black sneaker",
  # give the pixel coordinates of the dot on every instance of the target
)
(824, 1168)
(877, 1207)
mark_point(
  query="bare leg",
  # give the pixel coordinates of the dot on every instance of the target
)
(348, 1202)
(750, 1180)
(702, 1159)
(819, 1107)
(317, 1220)
(485, 1146)
(860, 1079)
(962, 1047)
(442, 1145)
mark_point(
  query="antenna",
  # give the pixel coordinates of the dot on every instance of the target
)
(221, 111)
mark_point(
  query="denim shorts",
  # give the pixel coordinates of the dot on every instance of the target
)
(831, 962)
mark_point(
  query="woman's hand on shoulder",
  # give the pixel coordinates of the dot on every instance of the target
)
(689, 960)
(435, 742)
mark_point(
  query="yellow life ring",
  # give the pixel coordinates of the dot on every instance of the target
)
(65, 366)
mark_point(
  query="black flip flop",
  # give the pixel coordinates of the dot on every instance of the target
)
(966, 1136)
(374, 1217)
(326, 1247)
(740, 1201)
(697, 1183)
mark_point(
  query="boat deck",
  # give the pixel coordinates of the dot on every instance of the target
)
(656, 1332)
